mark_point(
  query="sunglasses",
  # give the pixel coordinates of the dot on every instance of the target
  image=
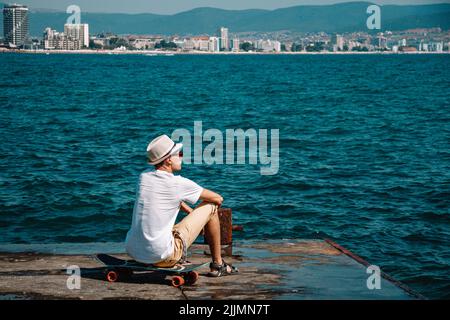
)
(180, 154)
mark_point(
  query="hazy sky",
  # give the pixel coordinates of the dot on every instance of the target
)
(175, 6)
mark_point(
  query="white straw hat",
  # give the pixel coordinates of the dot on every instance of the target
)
(161, 148)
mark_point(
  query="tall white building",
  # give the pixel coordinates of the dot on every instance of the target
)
(214, 44)
(224, 40)
(235, 45)
(15, 24)
(59, 41)
(74, 37)
(78, 32)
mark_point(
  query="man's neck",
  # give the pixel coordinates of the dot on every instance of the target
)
(165, 169)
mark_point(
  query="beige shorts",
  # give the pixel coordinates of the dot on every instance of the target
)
(188, 230)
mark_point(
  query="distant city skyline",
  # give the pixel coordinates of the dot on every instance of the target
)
(176, 6)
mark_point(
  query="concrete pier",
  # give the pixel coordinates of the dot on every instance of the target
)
(276, 269)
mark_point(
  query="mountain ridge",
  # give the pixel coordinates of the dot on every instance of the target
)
(340, 17)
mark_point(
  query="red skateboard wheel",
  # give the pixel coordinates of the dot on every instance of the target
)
(192, 277)
(177, 281)
(112, 276)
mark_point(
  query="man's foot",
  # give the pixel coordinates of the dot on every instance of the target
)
(220, 270)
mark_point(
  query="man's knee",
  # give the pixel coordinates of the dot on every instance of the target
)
(213, 210)
(213, 207)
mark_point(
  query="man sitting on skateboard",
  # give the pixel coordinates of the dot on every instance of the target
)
(153, 237)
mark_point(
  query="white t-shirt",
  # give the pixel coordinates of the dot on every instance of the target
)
(157, 204)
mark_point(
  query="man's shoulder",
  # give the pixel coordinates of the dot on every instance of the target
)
(185, 181)
(180, 178)
(147, 175)
(152, 173)
(147, 172)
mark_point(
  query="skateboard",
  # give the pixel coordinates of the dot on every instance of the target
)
(121, 269)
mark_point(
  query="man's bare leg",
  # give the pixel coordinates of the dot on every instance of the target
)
(212, 233)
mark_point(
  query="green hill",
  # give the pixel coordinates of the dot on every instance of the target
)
(341, 17)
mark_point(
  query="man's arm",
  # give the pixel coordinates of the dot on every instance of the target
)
(210, 196)
(184, 207)
(206, 195)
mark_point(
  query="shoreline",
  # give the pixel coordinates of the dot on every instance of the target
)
(172, 53)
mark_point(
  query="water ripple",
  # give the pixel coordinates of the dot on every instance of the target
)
(364, 160)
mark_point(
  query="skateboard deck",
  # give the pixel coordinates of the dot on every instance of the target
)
(119, 268)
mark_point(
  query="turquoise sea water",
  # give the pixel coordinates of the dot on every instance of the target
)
(364, 148)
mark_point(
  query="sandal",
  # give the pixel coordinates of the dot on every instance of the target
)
(221, 270)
